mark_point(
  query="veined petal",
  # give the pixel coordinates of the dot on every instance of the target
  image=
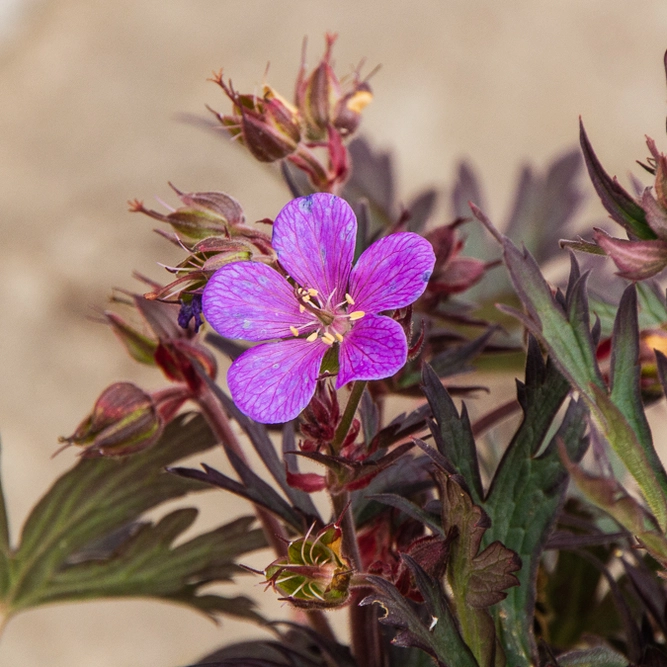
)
(392, 273)
(272, 383)
(314, 238)
(252, 301)
(373, 349)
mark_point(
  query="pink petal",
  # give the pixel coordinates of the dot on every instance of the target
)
(314, 238)
(252, 301)
(392, 273)
(373, 349)
(272, 383)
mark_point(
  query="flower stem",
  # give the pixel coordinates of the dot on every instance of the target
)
(348, 415)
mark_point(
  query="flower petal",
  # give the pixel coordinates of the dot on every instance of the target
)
(272, 383)
(314, 238)
(392, 273)
(252, 301)
(373, 349)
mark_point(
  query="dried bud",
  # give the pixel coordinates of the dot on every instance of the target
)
(320, 419)
(124, 420)
(314, 574)
(324, 102)
(268, 126)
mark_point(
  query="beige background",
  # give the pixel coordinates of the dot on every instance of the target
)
(89, 92)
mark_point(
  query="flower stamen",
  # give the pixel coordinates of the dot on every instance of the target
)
(328, 338)
(356, 315)
(312, 338)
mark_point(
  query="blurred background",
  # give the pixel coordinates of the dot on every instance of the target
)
(91, 94)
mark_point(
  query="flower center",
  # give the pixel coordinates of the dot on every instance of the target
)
(332, 320)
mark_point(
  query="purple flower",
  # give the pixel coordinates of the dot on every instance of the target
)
(325, 303)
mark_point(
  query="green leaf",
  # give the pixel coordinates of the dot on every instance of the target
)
(149, 565)
(98, 497)
(526, 493)
(619, 204)
(452, 432)
(478, 577)
(563, 327)
(438, 636)
(600, 656)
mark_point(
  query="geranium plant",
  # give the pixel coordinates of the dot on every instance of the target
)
(444, 541)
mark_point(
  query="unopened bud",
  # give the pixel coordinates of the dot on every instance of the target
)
(124, 420)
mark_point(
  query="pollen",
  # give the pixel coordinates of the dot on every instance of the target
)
(359, 101)
(312, 337)
(339, 337)
(349, 299)
(302, 308)
(294, 330)
(356, 315)
(328, 338)
(312, 292)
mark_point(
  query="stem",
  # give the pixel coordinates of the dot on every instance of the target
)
(366, 642)
(348, 415)
(219, 423)
(273, 529)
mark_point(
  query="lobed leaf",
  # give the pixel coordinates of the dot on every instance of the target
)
(91, 504)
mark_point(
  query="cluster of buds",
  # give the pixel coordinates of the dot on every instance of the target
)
(314, 574)
(644, 253)
(326, 111)
(211, 228)
(349, 466)
(126, 419)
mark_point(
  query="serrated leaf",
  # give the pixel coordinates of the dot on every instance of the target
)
(563, 326)
(526, 493)
(437, 633)
(149, 565)
(100, 496)
(619, 204)
(478, 577)
(452, 432)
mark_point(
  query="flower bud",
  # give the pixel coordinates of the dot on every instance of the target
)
(314, 574)
(124, 420)
(268, 126)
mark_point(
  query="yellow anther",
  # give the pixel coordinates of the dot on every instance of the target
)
(356, 315)
(306, 298)
(312, 292)
(339, 337)
(302, 308)
(294, 330)
(328, 338)
(349, 299)
(360, 100)
(312, 337)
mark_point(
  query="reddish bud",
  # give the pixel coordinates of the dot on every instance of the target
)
(636, 260)
(124, 420)
(268, 126)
